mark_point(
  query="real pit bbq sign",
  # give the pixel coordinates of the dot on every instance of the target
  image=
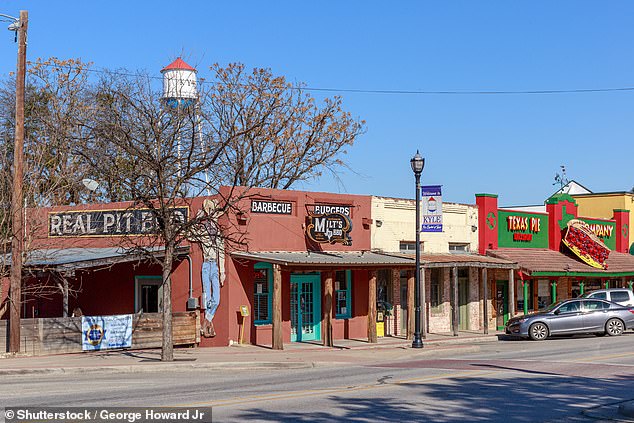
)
(108, 222)
(330, 224)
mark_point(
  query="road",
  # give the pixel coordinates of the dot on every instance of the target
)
(520, 381)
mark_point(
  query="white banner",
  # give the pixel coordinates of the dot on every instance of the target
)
(104, 332)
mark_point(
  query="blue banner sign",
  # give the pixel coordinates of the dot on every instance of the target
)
(104, 332)
(432, 208)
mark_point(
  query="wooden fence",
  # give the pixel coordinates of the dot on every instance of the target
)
(64, 334)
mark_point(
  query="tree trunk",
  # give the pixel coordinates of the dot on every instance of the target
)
(167, 352)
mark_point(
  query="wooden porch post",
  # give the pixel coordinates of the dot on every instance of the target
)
(410, 304)
(328, 305)
(372, 308)
(485, 305)
(423, 304)
(278, 341)
(511, 293)
(454, 309)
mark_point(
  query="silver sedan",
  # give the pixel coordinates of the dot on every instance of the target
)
(572, 317)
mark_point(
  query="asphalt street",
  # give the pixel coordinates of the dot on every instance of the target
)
(564, 379)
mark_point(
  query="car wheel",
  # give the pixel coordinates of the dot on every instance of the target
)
(538, 331)
(614, 327)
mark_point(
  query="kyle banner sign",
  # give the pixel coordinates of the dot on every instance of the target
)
(329, 228)
(104, 332)
(432, 208)
(108, 222)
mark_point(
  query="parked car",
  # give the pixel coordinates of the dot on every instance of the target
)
(622, 296)
(572, 317)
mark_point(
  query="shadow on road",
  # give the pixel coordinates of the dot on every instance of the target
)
(473, 399)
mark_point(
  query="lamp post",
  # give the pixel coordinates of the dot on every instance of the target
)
(17, 221)
(418, 163)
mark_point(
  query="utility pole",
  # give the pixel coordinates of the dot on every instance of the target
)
(17, 222)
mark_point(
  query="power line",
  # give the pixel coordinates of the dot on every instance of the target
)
(386, 92)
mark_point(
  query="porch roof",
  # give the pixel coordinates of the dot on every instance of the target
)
(372, 259)
(431, 260)
(325, 258)
(66, 259)
(544, 262)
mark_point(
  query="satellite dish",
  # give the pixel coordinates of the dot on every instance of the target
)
(90, 184)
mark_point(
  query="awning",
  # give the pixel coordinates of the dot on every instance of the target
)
(371, 259)
(544, 262)
(434, 260)
(325, 259)
(66, 259)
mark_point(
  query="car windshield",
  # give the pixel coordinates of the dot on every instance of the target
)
(551, 307)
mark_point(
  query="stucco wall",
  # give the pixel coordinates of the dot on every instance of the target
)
(393, 222)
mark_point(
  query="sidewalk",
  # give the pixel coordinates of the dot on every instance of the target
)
(294, 356)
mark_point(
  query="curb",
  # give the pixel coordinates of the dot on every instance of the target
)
(159, 367)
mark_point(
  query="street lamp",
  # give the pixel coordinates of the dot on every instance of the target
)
(418, 163)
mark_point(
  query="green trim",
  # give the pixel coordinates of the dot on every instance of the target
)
(620, 210)
(582, 287)
(558, 198)
(487, 195)
(607, 284)
(584, 274)
(525, 287)
(269, 294)
(553, 292)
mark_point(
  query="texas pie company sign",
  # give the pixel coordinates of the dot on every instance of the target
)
(332, 227)
(108, 222)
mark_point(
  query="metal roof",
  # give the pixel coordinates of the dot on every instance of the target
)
(323, 258)
(370, 259)
(544, 262)
(60, 259)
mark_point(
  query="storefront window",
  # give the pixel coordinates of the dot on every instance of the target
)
(543, 293)
(593, 285)
(343, 281)
(435, 294)
(262, 287)
(575, 290)
(149, 294)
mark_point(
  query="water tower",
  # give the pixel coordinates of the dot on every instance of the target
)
(179, 84)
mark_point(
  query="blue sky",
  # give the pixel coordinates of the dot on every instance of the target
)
(507, 144)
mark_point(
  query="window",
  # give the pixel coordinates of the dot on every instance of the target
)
(458, 248)
(343, 281)
(595, 305)
(599, 295)
(619, 296)
(262, 288)
(148, 294)
(572, 307)
(435, 293)
(408, 247)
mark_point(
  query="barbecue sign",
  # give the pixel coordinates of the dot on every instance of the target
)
(329, 228)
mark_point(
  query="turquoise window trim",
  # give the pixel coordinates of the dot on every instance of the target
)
(348, 291)
(269, 295)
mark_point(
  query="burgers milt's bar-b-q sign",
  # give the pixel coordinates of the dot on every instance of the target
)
(107, 222)
(330, 224)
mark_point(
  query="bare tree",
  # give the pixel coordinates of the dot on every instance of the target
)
(276, 134)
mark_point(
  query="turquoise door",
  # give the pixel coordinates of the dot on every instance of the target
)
(305, 308)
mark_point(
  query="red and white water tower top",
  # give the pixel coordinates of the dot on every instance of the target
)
(179, 84)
